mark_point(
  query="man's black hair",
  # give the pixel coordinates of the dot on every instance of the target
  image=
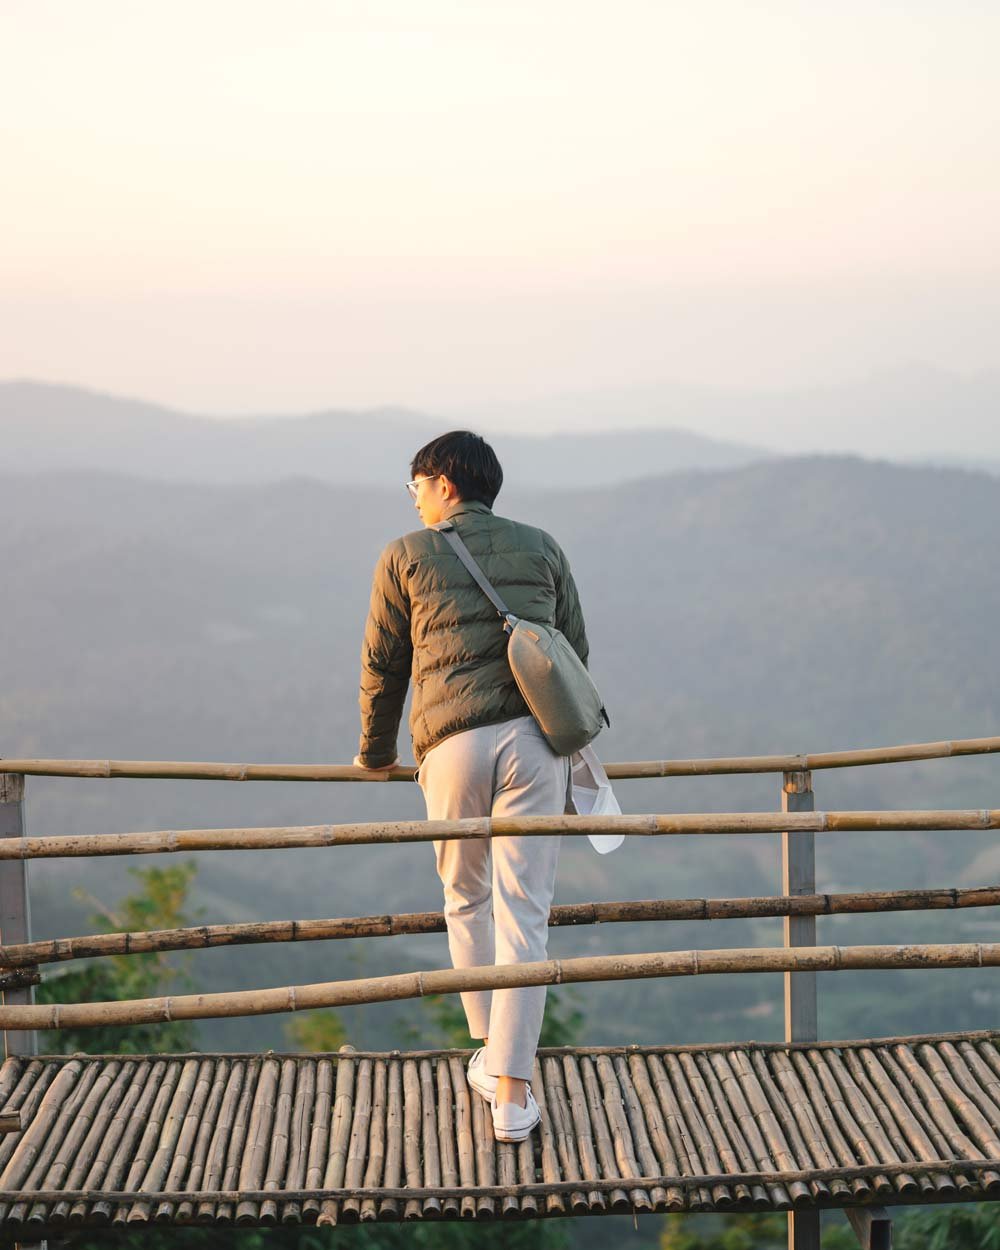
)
(467, 459)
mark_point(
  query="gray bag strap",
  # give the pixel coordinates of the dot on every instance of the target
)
(448, 531)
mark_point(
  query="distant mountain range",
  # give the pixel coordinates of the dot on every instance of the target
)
(915, 415)
(911, 413)
(44, 427)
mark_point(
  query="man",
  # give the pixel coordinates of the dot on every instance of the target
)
(479, 750)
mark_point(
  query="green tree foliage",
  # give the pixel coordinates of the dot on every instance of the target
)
(158, 904)
(974, 1226)
(529, 1235)
(759, 1230)
(317, 1031)
(960, 1227)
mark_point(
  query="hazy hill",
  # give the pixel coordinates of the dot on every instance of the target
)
(45, 427)
(913, 412)
(789, 605)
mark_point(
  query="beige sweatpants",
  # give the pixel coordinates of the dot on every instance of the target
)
(498, 913)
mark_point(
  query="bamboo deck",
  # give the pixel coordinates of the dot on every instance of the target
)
(362, 1136)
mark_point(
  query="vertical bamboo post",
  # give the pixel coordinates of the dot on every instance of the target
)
(15, 914)
(798, 876)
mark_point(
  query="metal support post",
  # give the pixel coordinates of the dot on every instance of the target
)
(798, 876)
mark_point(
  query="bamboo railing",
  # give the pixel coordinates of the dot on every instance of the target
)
(989, 1036)
(382, 989)
(18, 961)
(629, 911)
(698, 1078)
(287, 837)
(181, 770)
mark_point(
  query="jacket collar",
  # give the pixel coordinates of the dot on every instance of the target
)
(467, 505)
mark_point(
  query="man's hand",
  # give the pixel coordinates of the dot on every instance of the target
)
(376, 774)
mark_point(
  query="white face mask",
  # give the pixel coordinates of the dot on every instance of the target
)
(593, 796)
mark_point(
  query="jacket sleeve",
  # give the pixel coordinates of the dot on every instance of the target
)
(386, 658)
(569, 614)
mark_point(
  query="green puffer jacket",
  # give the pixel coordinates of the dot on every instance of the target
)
(428, 618)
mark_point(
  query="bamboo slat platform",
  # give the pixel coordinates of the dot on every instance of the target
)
(361, 1136)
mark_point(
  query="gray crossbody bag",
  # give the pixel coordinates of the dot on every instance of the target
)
(550, 675)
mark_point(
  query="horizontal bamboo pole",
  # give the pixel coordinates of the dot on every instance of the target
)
(59, 950)
(627, 1048)
(498, 1191)
(283, 837)
(197, 770)
(28, 975)
(505, 976)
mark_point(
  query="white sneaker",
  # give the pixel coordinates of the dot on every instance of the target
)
(478, 1077)
(514, 1123)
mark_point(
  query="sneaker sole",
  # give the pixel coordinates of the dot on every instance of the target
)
(519, 1135)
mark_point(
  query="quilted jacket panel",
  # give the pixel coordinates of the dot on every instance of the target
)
(429, 621)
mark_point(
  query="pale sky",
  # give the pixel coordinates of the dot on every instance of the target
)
(236, 206)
